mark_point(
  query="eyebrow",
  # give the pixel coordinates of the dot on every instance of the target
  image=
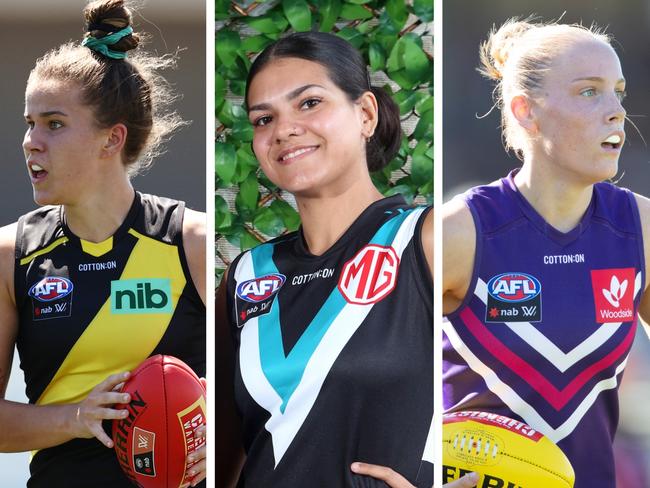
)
(49, 113)
(595, 78)
(289, 96)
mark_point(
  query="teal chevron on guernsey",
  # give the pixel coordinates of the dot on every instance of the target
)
(285, 372)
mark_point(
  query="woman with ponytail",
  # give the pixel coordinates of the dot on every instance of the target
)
(95, 114)
(544, 270)
(332, 324)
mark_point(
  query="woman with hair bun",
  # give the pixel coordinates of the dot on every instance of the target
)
(332, 324)
(95, 115)
(545, 269)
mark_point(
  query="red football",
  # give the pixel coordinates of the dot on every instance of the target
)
(167, 405)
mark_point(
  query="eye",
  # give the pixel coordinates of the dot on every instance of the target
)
(54, 124)
(262, 121)
(30, 123)
(588, 92)
(310, 103)
(621, 94)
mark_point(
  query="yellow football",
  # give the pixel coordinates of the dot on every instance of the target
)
(505, 453)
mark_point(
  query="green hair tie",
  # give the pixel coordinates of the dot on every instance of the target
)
(101, 45)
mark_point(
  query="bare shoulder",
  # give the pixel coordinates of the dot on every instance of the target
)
(644, 209)
(458, 249)
(643, 204)
(194, 224)
(194, 239)
(7, 256)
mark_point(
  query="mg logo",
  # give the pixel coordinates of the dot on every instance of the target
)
(370, 275)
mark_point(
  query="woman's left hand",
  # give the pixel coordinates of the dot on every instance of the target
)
(387, 475)
(196, 461)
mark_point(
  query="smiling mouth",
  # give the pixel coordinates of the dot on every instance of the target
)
(297, 153)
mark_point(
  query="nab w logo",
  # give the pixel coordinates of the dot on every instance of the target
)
(141, 295)
(370, 275)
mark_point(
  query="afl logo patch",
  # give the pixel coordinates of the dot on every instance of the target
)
(51, 298)
(514, 297)
(370, 275)
(260, 289)
(514, 287)
(51, 288)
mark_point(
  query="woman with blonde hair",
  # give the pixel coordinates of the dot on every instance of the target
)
(544, 270)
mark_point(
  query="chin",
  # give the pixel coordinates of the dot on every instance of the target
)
(608, 172)
(43, 198)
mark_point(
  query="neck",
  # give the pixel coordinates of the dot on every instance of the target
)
(560, 201)
(326, 218)
(101, 214)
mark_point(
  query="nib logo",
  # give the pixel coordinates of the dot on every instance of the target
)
(616, 291)
(613, 294)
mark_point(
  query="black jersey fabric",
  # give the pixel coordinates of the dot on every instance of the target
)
(334, 354)
(88, 310)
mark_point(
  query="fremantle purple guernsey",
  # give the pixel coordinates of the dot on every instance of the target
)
(545, 330)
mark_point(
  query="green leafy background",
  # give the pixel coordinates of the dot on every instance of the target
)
(394, 36)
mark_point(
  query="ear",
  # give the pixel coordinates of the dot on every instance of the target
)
(369, 113)
(522, 108)
(115, 140)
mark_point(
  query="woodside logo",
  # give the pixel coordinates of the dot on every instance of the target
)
(370, 275)
(613, 294)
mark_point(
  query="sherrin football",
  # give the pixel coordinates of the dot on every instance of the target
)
(167, 406)
(505, 453)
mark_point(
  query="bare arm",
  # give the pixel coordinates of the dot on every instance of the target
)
(644, 212)
(458, 249)
(194, 244)
(41, 426)
(229, 447)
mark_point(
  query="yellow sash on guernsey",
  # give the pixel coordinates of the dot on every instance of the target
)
(116, 343)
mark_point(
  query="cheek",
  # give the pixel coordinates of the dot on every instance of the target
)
(340, 127)
(260, 143)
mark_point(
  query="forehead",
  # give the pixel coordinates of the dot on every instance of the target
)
(586, 58)
(47, 94)
(283, 75)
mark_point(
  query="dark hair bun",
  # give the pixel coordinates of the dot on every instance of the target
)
(103, 17)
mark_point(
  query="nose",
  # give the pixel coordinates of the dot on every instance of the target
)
(32, 141)
(616, 112)
(285, 127)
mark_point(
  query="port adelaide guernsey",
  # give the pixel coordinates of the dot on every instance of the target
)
(334, 354)
(88, 310)
(545, 330)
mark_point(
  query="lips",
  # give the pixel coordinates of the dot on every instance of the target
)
(614, 141)
(294, 153)
(36, 172)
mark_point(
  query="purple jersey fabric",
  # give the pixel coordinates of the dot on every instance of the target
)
(546, 327)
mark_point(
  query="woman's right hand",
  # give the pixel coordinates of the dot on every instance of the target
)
(467, 481)
(97, 406)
